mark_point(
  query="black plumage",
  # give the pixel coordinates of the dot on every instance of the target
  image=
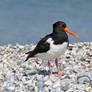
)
(52, 46)
(58, 35)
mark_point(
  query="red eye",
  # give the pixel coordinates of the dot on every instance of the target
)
(60, 25)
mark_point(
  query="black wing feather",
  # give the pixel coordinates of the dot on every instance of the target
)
(41, 47)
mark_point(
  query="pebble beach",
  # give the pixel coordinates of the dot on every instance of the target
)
(33, 75)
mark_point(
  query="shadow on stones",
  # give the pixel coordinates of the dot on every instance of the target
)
(39, 72)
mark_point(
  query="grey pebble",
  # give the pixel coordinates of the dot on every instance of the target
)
(40, 84)
(84, 77)
(6, 90)
(11, 79)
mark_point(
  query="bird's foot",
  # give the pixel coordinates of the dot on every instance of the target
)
(59, 74)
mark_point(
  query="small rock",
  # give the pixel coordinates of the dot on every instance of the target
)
(48, 83)
(87, 60)
(31, 88)
(80, 87)
(68, 56)
(83, 77)
(40, 84)
(5, 46)
(36, 89)
(56, 84)
(6, 90)
(82, 59)
(11, 79)
(11, 88)
(74, 52)
(64, 86)
(90, 48)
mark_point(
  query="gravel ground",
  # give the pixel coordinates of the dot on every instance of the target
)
(33, 75)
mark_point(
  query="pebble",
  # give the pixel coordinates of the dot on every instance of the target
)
(55, 85)
(33, 75)
(6, 90)
(11, 79)
(64, 86)
(11, 87)
(87, 60)
(48, 83)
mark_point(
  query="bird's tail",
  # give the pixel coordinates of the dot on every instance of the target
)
(30, 54)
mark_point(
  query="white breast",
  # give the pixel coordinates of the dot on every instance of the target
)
(55, 50)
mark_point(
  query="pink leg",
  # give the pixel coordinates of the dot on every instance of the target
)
(49, 65)
(58, 70)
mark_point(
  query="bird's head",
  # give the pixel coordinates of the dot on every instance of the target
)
(61, 26)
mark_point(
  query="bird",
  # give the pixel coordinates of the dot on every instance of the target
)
(52, 46)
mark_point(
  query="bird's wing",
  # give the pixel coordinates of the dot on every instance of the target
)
(42, 46)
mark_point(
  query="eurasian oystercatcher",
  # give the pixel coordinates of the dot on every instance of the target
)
(52, 46)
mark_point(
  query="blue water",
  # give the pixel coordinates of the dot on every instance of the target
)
(26, 21)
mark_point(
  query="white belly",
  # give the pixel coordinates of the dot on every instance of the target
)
(55, 51)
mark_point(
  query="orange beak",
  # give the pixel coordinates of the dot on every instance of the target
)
(70, 32)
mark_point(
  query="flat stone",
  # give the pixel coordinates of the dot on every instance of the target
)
(56, 84)
(7, 90)
(48, 83)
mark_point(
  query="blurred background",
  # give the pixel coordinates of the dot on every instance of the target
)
(26, 21)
